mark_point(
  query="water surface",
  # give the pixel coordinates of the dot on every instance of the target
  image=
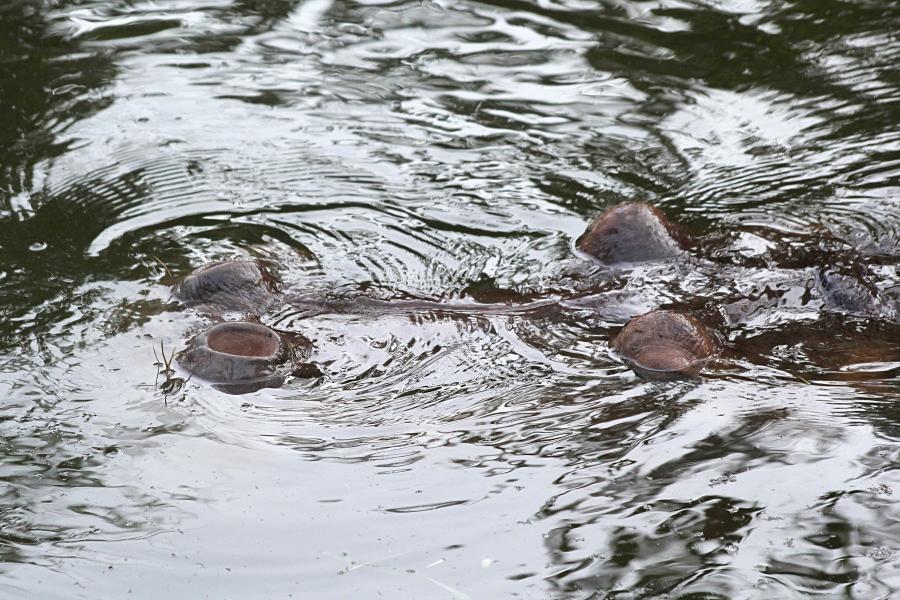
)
(435, 150)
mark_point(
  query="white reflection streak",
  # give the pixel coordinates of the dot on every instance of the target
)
(351, 566)
(308, 16)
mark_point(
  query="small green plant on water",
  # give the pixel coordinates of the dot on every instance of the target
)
(172, 384)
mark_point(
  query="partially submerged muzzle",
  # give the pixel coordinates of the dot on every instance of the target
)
(664, 344)
(237, 357)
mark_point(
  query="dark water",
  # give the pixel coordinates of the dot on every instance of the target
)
(427, 150)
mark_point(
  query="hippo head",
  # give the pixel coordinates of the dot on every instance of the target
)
(240, 285)
(628, 233)
(664, 344)
(240, 357)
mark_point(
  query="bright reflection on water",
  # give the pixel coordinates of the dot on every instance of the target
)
(427, 150)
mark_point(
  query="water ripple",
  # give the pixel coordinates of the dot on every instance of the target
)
(419, 172)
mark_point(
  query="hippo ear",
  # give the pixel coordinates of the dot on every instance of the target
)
(241, 285)
(628, 233)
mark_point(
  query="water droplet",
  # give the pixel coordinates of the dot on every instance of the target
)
(38, 247)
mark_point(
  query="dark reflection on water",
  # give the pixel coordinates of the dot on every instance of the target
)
(433, 151)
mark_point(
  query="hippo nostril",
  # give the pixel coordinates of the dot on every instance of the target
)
(664, 344)
(244, 341)
(244, 356)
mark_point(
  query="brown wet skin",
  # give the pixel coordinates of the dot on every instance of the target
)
(249, 342)
(664, 343)
(241, 357)
(240, 285)
(630, 232)
(233, 351)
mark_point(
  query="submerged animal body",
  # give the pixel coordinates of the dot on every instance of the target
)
(660, 344)
(854, 295)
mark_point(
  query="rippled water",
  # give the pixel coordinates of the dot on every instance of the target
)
(445, 151)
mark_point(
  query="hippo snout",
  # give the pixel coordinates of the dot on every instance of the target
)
(664, 344)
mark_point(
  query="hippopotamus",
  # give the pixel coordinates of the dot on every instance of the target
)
(666, 342)
(239, 356)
